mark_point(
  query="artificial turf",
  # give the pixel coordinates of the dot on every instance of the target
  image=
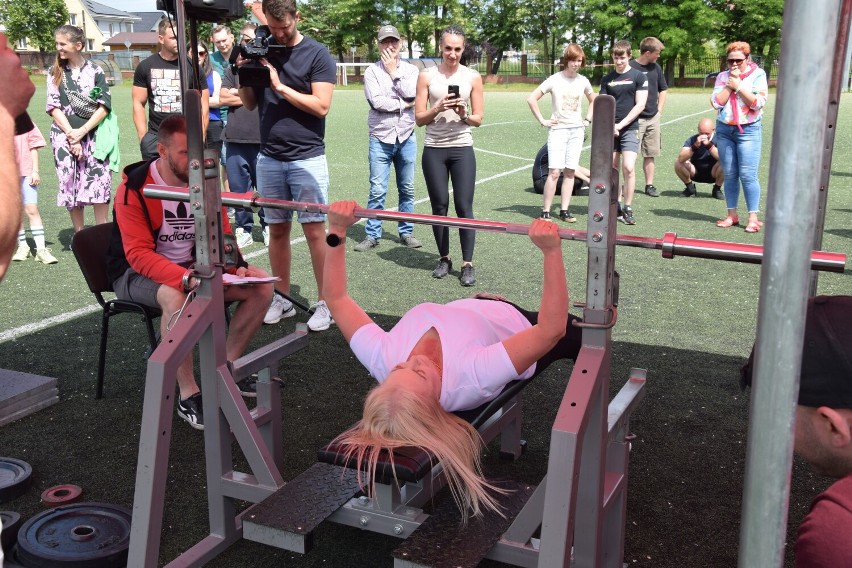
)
(690, 322)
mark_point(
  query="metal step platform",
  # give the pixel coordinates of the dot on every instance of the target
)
(443, 542)
(289, 516)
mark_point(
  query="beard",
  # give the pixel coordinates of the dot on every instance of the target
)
(181, 174)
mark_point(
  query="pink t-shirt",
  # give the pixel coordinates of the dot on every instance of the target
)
(825, 535)
(476, 364)
(24, 143)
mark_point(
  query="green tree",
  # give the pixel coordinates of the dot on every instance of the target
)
(35, 21)
(342, 24)
(500, 27)
(756, 21)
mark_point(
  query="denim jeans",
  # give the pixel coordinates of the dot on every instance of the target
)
(739, 154)
(300, 180)
(241, 165)
(403, 156)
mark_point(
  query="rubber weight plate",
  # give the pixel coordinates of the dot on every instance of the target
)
(15, 478)
(11, 523)
(61, 495)
(82, 535)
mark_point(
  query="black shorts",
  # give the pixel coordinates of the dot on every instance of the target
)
(704, 175)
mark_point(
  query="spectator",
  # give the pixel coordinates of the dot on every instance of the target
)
(157, 80)
(26, 152)
(78, 100)
(630, 89)
(15, 92)
(242, 137)
(150, 258)
(390, 85)
(566, 128)
(221, 59)
(740, 95)
(456, 104)
(650, 134)
(823, 430)
(292, 164)
(698, 161)
(214, 86)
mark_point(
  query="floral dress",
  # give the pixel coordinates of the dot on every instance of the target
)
(86, 180)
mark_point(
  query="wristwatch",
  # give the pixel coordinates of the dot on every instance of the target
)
(333, 239)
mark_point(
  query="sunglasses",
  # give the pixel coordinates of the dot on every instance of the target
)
(735, 61)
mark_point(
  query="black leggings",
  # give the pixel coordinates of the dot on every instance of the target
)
(439, 165)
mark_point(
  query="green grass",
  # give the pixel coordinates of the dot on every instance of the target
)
(690, 322)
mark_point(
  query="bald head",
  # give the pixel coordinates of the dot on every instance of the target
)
(706, 126)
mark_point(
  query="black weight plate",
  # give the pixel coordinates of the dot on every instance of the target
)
(11, 523)
(15, 478)
(82, 535)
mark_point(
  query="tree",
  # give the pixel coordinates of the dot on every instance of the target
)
(756, 21)
(341, 24)
(500, 25)
(35, 21)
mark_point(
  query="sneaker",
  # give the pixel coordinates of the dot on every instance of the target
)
(280, 308)
(23, 252)
(266, 236)
(232, 213)
(248, 386)
(628, 216)
(689, 190)
(584, 190)
(468, 275)
(544, 215)
(565, 215)
(651, 190)
(620, 215)
(45, 257)
(718, 193)
(190, 409)
(244, 238)
(410, 241)
(366, 244)
(443, 268)
(321, 320)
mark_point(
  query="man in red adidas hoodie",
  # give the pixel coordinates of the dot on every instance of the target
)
(153, 248)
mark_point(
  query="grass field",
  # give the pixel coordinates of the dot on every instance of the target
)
(690, 322)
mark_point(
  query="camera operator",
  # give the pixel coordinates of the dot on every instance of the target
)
(292, 164)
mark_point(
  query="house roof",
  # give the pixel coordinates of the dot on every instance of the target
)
(95, 8)
(257, 11)
(147, 21)
(135, 38)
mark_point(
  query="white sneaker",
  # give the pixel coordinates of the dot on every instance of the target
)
(321, 320)
(280, 308)
(266, 236)
(244, 239)
(23, 252)
(45, 257)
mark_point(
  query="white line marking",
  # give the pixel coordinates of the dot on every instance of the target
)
(504, 155)
(17, 332)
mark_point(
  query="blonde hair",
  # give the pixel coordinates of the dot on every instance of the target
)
(74, 35)
(395, 417)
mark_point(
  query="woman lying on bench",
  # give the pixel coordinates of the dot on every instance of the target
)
(443, 358)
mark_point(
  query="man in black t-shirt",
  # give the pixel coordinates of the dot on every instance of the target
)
(291, 164)
(698, 161)
(630, 89)
(649, 119)
(157, 80)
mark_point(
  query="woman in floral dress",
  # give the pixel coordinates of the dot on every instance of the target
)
(78, 99)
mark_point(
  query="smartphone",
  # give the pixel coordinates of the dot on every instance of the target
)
(453, 90)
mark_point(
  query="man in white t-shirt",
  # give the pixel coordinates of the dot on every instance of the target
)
(567, 128)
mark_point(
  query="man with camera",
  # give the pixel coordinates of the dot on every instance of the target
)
(157, 80)
(390, 86)
(698, 161)
(292, 164)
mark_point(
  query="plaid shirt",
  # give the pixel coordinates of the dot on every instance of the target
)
(390, 119)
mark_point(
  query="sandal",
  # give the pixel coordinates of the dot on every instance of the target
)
(728, 221)
(753, 227)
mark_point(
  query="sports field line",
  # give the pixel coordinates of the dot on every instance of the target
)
(33, 327)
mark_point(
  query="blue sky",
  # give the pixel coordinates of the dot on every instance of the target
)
(131, 5)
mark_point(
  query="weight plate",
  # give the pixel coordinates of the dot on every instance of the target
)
(15, 478)
(11, 522)
(61, 495)
(82, 535)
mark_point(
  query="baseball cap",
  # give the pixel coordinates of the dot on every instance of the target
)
(826, 375)
(388, 31)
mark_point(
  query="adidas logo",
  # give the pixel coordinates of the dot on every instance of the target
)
(181, 219)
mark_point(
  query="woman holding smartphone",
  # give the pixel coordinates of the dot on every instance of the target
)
(454, 94)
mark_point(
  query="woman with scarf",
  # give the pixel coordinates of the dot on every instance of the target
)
(78, 100)
(739, 95)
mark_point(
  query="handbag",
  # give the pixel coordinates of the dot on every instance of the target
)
(83, 106)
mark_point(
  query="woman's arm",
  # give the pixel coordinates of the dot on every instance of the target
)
(528, 346)
(477, 103)
(214, 101)
(347, 314)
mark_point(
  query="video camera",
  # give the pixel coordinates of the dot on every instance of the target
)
(253, 74)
